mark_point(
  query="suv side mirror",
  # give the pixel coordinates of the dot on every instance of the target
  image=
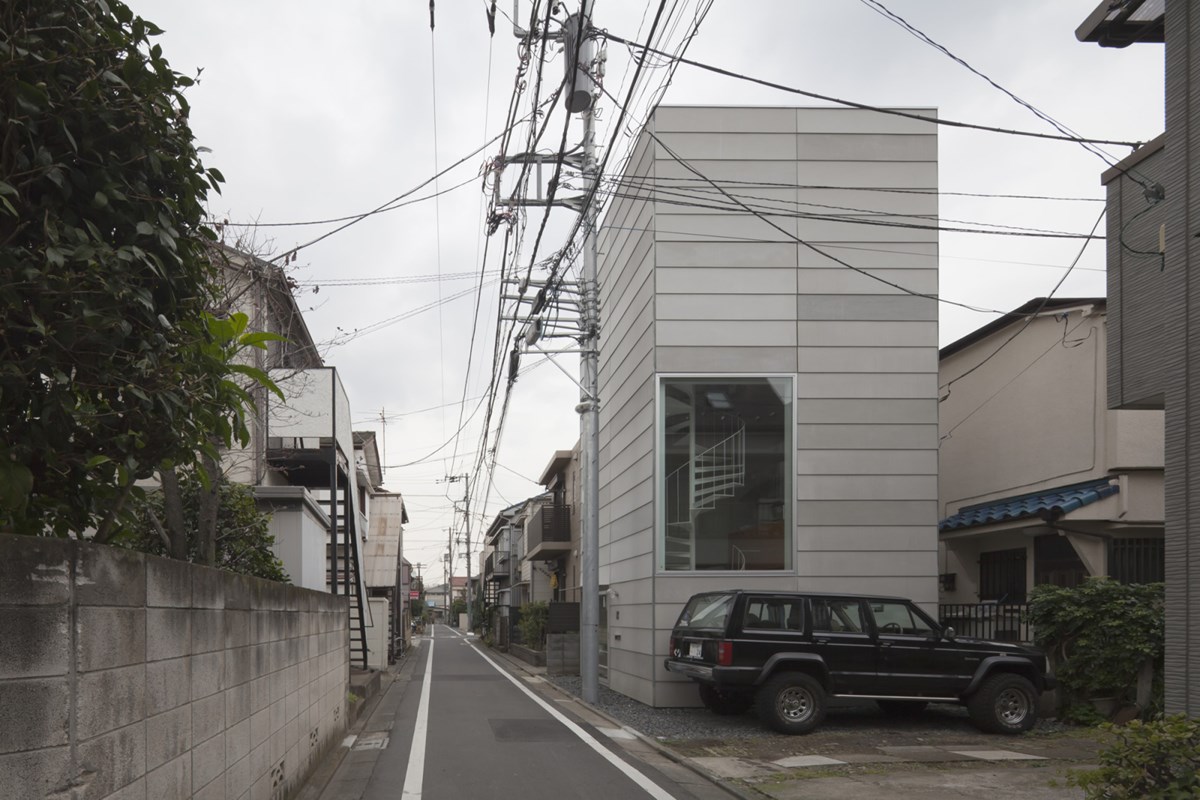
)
(948, 634)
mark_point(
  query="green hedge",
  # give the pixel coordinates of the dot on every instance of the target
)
(1157, 760)
(1098, 636)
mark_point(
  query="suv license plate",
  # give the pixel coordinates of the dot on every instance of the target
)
(694, 650)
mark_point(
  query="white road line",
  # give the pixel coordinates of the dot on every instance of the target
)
(648, 786)
(414, 776)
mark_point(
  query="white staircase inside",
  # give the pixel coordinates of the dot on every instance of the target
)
(709, 475)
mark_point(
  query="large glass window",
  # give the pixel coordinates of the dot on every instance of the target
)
(726, 473)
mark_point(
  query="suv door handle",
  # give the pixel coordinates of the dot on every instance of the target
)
(823, 640)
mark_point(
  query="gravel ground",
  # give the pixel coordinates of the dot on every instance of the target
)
(849, 727)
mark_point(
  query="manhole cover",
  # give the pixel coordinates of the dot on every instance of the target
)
(372, 741)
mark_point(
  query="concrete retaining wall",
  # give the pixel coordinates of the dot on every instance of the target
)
(130, 677)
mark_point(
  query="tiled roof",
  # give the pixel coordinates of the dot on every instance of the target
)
(1061, 500)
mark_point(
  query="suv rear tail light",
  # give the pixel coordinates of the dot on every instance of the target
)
(671, 648)
(725, 653)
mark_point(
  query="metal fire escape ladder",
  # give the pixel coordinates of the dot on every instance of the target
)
(345, 555)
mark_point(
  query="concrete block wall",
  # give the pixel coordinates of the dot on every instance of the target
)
(129, 677)
(562, 653)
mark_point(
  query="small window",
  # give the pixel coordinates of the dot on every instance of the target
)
(1137, 560)
(837, 616)
(1002, 575)
(773, 613)
(898, 618)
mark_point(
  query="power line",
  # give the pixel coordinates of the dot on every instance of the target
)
(1028, 319)
(866, 107)
(399, 279)
(740, 204)
(437, 213)
(1086, 144)
(331, 220)
(386, 206)
(881, 189)
(350, 336)
(814, 248)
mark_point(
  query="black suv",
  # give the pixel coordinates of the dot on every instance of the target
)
(786, 652)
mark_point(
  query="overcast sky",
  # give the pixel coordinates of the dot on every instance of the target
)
(315, 111)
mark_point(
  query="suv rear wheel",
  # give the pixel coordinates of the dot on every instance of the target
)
(1004, 703)
(791, 702)
(724, 703)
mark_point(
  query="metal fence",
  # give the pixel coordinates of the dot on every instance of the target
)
(1003, 622)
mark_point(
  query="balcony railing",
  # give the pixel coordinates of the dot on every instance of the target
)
(496, 564)
(550, 524)
(1002, 622)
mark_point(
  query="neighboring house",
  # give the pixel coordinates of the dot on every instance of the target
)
(1039, 481)
(768, 414)
(1154, 303)
(501, 567)
(302, 459)
(384, 576)
(458, 588)
(530, 580)
(553, 528)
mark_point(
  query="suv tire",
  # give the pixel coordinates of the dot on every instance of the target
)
(901, 708)
(791, 702)
(722, 703)
(1004, 703)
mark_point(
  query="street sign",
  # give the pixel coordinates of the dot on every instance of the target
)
(414, 595)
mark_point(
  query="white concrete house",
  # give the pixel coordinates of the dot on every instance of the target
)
(768, 410)
(1040, 481)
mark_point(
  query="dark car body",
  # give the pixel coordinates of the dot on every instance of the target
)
(886, 648)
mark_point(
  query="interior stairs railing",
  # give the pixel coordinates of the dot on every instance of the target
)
(695, 487)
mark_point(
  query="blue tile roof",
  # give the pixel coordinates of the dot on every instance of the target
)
(1059, 501)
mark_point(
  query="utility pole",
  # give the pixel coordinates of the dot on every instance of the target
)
(589, 401)
(466, 479)
(383, 435)
(579, 97)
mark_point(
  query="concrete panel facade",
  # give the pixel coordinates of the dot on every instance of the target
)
(126, 675)
(720, 290)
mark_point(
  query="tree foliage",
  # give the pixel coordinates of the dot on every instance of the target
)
(243, 538)
(111, 364)
(1099, 634)
(532, 624)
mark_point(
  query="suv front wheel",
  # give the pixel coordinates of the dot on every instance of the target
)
(791, 702)
(1004, 703)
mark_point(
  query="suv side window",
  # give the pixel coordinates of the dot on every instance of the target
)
(897, 618)
(832, 615)
(773, 613)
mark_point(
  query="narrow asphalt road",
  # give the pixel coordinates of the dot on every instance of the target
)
(457, 724)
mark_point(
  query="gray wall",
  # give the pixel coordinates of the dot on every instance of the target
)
(134, 677)
(1135, 281)
(1181, 359)
(710, 291)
